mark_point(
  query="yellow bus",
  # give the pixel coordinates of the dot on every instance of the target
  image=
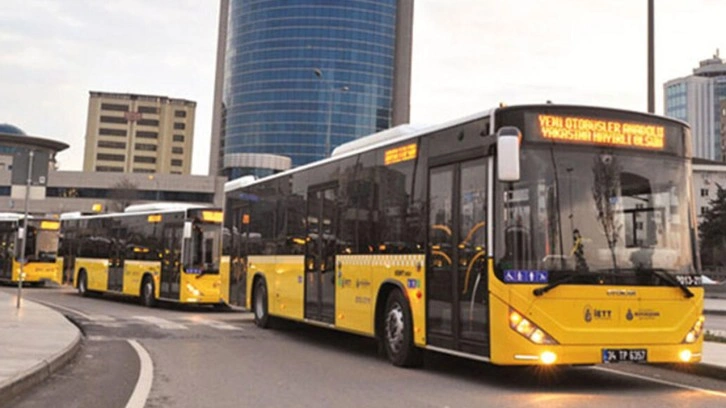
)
(41, 249)
(155, 252)
(524, 235)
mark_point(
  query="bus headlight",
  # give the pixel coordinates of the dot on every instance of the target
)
(194, 291)
(529, 330)
(695, 331)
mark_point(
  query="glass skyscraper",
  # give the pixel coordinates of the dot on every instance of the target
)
(696, 99)
(300, 77)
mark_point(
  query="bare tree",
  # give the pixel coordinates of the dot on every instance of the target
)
(605, 192)
(122, 194)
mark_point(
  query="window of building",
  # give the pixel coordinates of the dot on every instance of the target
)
(180, 114)
(176, 162)
(704, 210)
(111, 145)
(176, 172)
(148, 109)
(704, 192)
(144, 170)
(179, 126)
(177, 150)
(112, 119)
(148, 122)
(144, 159)
(178, 138)
(110, 157)
(146, 134)
(145, 146)
(112, 132)
(112, 169)
(115, 107)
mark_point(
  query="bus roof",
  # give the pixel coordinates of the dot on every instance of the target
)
(379, 139)
(407, 132)
(136, 208)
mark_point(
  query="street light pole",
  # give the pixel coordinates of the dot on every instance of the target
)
(651, 59)
(24, 238)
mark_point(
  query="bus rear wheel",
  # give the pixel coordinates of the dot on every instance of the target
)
(82, 284)
(147, 292)
(398, 332)
(259, 304)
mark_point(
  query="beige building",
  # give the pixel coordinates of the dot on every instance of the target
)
(129, 133)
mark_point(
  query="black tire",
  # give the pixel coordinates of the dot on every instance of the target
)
(259, 304)
(397, 333)
(82, 286)
(148, 292)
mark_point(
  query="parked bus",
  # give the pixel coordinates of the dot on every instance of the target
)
(155, 252)
(41, 249)
(525, 235)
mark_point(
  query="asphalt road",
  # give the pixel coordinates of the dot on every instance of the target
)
(203, 357)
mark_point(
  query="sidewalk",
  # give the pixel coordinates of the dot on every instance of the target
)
(35, 341)
(714, 306)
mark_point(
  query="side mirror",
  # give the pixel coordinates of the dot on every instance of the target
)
(508, 139)
(187, 229)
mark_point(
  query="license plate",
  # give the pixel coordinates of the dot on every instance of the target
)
(619, 355)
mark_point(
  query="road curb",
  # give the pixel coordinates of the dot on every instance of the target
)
(701, 369)
(40, 372)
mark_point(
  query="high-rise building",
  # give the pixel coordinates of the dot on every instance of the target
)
(297, 78)
(696, 99)
(139, 134)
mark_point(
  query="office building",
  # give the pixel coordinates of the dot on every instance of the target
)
(696, 99)
(55, 192)
(296, 79)
(129, 133)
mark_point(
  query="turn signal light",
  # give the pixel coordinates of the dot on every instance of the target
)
(529, 330)
(695, 331)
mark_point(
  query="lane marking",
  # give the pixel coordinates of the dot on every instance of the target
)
(146, 377)
(215, 324)
(161, 323)
(655, 380)
(67, 309)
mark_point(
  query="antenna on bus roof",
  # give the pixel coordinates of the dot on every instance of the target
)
(161, 207)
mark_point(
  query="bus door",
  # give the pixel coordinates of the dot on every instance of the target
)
(457, 309)
(171, 261)
(116, 262)
(320, 255)
(8, 238)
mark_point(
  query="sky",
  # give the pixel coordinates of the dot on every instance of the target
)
(468, 56)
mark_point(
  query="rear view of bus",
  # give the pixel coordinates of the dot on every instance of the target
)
(41, 249)
(594, 255)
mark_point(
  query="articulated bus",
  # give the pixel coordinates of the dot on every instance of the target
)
(41, 249)
(525, 235)
(155, 252)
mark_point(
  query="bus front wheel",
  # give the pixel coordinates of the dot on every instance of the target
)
(147, 292)
(82, 284)
(398, 333)
(259, 305)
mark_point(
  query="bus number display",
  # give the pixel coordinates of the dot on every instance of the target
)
(574, 129)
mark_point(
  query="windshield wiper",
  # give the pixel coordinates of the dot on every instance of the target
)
(544, 289)
(664, 275)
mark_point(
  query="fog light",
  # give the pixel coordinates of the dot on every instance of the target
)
(685, 355)
(548, 357)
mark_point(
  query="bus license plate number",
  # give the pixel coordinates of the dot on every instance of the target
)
(618, 355)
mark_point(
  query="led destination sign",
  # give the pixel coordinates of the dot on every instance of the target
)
(575, 129)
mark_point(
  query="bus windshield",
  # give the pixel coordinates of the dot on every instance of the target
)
(41, 245)
(204, 248)
(620, 214)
